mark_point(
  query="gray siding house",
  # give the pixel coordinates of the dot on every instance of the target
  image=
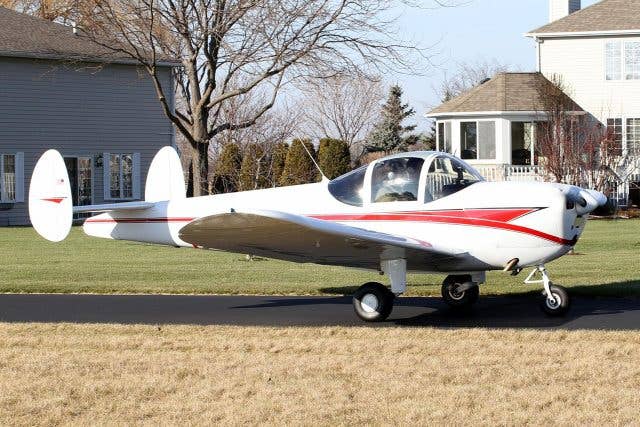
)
(60, 90)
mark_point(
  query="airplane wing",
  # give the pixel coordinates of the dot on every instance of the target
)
(298, 238)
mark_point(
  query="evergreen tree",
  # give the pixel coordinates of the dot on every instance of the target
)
(253, 171)
(227, 169)
(278, 158)
(298, 167)
(389, 135)
(334, 157)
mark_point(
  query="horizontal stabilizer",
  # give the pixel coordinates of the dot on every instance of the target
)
(108, 207)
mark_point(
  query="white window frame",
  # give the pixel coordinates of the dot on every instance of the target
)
(624, 132)
(623, 48)
(135, 176)
(18, 159)
(495, 140)
(444, 123)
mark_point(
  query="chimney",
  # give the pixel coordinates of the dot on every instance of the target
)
(558, 9)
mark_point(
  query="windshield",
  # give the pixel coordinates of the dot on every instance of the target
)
(348, 187)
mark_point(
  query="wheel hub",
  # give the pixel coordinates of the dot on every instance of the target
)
(553, 301)
(370, 303)
(454, 294)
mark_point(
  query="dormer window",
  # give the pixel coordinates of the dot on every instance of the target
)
(622, 60)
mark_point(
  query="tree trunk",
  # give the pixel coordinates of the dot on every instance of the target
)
(200, 168)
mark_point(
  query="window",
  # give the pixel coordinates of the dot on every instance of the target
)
(615, 133)
(613, 53)
(486, 140)
(8, 181)
(469, 140)
(478, 140)
(633, 136)
(632, 60)
(121, 175)
(447, 176)
(348, 188)
(524, 149)
(444, 137)
(622, 60)
(396, 180)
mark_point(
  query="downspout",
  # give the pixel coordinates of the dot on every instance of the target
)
(538, 54)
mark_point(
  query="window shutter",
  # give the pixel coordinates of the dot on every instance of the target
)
(106, 178)
(136, 175)
(20, 177)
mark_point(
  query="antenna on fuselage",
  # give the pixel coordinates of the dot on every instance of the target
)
(324, 177)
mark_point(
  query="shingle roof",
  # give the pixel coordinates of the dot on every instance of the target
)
(23, 35)
(505, 92)
(606, 15)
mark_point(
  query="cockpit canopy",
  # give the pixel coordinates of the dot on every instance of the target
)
(409, 178)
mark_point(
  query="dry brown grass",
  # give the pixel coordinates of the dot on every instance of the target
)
(106, 374)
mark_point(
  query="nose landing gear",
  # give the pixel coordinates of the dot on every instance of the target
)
(555, 299)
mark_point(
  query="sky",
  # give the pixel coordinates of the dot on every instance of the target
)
(476, 31)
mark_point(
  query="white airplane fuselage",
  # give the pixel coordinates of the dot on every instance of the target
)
(494, 222)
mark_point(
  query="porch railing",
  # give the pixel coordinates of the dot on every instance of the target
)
(619, 190)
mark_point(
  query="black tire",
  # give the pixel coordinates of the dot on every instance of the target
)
(373, 302)
(560, 304)
(456, 299)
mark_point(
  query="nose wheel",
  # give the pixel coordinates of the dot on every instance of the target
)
(555, 299)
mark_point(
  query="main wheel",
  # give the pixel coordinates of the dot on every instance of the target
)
(459, 291)
(558, 304)
(373, 302)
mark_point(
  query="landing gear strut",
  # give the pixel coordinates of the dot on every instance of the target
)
(555, 299)
(459, 291)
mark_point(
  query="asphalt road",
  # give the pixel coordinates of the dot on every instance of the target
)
(489, 312)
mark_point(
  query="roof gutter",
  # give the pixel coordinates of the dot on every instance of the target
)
(494, 113)
(583, 33)
(85, 59)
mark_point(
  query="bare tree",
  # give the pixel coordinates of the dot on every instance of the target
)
(467, 76)
(228, 48)
(344, 108)
(62, 11)
(575, 148)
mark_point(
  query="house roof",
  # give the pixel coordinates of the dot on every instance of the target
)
(27, 36)
(604, 16)
(506, 92)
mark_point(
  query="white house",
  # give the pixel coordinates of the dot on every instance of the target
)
(594, 51)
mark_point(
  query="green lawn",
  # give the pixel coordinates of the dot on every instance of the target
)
(607, 263)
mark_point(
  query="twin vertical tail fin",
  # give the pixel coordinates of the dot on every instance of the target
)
(51, 204)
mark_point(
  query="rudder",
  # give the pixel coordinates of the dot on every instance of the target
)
(165, 180)
(50, 203)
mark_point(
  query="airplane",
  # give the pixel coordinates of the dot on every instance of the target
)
(426, 212)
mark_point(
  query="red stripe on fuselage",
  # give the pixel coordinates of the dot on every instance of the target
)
(474, 217)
